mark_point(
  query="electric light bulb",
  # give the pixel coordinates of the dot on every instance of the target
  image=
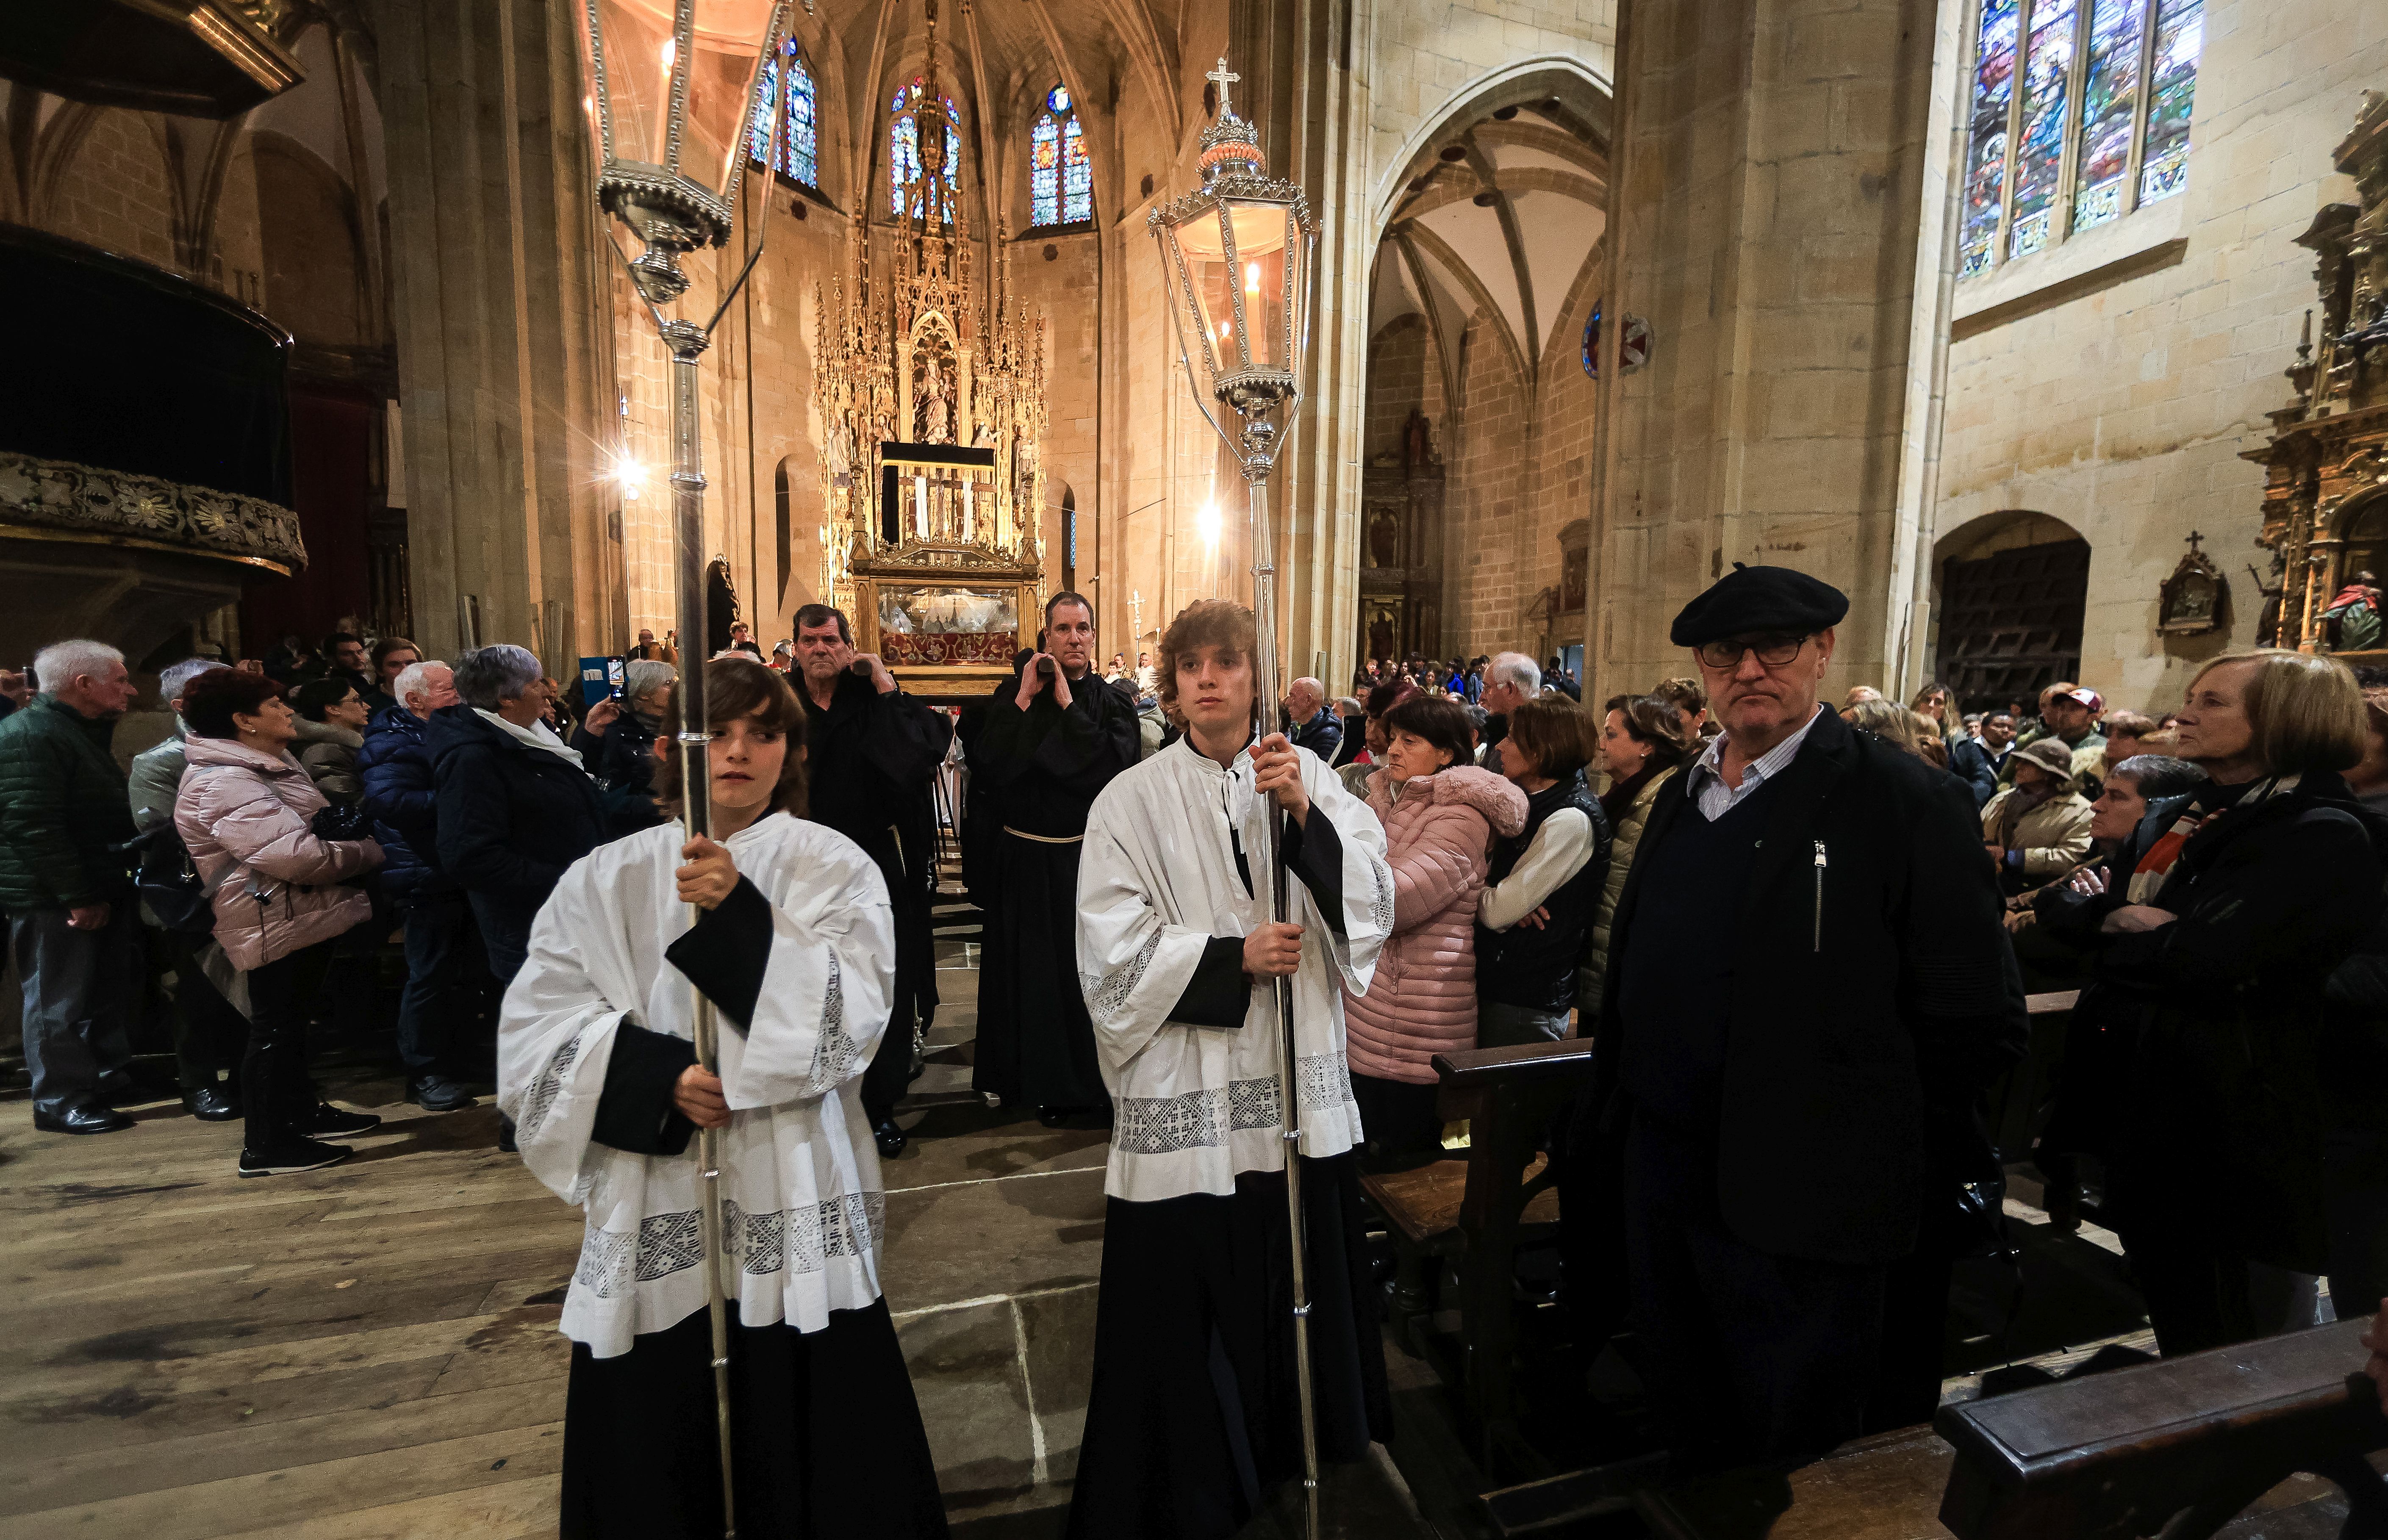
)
(1208, 523)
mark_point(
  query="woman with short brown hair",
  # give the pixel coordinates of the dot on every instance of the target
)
(1543, 881)
(1643, 742)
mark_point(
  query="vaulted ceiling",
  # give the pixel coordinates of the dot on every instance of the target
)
(1502, 213)
(996, 59)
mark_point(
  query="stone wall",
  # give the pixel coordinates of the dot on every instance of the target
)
(1772, 169)
(2120, 405)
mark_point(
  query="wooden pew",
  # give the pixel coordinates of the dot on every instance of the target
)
(2017, 1099)
(2180, 1445)
(2188, 1442)
(1477, 1208)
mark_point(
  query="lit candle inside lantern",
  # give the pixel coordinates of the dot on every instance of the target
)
(1251, 280)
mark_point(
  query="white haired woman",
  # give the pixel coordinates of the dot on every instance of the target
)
(621, 753)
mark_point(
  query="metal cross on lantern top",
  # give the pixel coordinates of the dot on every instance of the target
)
(1236, 256)
(671, 95)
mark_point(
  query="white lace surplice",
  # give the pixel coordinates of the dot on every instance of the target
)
(803, 1210)
(1194, 1105)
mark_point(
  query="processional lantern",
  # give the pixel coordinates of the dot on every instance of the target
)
(1236, 256)
(670, 107)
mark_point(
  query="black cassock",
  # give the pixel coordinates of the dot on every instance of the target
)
(1045, 767)
(871, 762)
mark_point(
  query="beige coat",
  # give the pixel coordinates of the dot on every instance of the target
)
(329, 753)
(243, 816)
(2053, 837)
(1590, 978)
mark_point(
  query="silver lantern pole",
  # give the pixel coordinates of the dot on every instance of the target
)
(1235, 257)
(669, 160)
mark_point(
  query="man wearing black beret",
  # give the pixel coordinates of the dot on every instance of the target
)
(1792, 1125)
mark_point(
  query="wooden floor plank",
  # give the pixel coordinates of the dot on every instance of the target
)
(201, 1458)
(275, 1360)
(41, 1426)
(202, 1316)
(509, 1511)
(301, 1494)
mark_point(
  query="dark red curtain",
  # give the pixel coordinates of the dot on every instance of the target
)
(330, 462)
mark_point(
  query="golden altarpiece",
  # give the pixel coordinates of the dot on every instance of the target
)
(2326, 466)
(932, 401)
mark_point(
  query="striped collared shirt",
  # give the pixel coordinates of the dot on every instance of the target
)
(1708, 789)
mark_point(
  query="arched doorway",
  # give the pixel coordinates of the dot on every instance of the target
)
(2012, 586)
(1475, 411)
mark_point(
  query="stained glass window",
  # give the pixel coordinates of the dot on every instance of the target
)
(800, 130)
(2097, 127)
(1077, 174)
(2110, 99)
(2039, 149)
(903, 146)
(1986, 159)
(1060, 179)
(1044, 171)
(2164, 164)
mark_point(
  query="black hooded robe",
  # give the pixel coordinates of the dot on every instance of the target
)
(1046, 766)
(872, 761)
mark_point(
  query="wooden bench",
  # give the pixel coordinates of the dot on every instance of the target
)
(1477, 1208)
(2017, 1101)
(2178, 1448)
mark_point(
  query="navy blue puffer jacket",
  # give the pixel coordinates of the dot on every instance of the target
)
(395, 765)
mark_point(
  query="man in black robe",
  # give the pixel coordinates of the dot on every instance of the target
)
(1044, 748)
(874, 753)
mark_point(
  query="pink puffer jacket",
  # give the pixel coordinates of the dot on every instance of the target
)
(244, 815)
(1423, 1002)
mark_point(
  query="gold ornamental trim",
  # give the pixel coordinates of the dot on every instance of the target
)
(57, 499)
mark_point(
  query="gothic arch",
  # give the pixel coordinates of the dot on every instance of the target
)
(1585, 96)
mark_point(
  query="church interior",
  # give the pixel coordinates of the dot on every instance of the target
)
(2054, 333)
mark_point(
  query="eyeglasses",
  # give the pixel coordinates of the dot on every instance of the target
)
(1774, 652)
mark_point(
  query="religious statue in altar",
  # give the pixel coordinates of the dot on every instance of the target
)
(930, 389)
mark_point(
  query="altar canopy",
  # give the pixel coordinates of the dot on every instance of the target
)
(932, 399)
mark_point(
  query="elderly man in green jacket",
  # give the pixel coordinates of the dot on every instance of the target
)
(72, 925)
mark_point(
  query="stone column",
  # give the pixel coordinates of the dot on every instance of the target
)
(1771, 165)
(501, 344)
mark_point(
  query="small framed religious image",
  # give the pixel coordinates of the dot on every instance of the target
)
(2190, 603)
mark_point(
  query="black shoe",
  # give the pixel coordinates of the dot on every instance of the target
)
(291, 1154)
(439, 1093)
(211, 1104)
(81, 1117)
(327, 1118)
(890, 1138)
(506, 1135)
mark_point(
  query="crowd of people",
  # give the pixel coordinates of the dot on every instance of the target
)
(1799, 938)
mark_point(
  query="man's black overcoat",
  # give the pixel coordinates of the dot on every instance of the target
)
(1855, 1047)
